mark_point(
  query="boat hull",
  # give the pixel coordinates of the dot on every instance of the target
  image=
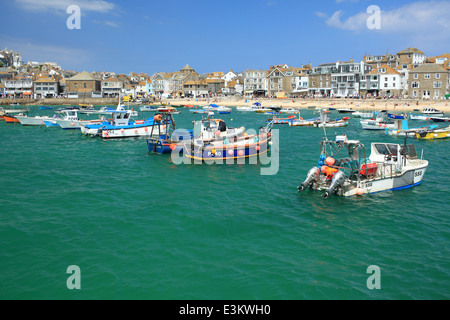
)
(375, 125)
(409, 178)
(130, 132)
(32, 121)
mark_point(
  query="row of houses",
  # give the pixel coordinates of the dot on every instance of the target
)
(406, 74)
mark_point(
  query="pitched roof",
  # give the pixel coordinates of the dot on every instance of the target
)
(83, 76)
(389, 70)
(429, 67)
(410, 50)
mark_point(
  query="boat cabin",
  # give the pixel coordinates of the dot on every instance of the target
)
(70, 114)
(120, 117)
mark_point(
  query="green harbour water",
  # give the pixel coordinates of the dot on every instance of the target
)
(140, 227)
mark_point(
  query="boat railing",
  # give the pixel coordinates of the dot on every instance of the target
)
(386, 170)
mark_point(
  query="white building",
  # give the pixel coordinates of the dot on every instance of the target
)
(255, 82)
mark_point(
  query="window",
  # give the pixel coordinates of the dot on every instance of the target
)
(436, 93)
(75, 85)
(415, 85)
(393, 85)
(84, 85)
(437, 84)
(416, 76)
(438, 75)
(414, 94)
(427, 76)
(385, 85)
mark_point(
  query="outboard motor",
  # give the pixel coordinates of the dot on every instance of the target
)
(338, 181)
(313, 175)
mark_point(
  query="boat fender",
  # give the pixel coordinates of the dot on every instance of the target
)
(312, 176)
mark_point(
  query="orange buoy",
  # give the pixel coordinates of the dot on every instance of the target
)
(330, 161)
(241, 153)
(173, 146)
(359, 191)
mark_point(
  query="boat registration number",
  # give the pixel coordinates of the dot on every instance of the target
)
(418, 174)
(217, 154)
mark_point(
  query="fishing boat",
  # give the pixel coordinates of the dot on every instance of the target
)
(379, 123)
(438, 133)
(418, 117)
(229, 147)
(148, 108)
(324, 120)
(402, 129)
(121, 126)
(343, 168)
(432, 112)
(359, 114)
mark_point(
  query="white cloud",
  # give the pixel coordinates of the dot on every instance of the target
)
(61, 5)
(418, 18)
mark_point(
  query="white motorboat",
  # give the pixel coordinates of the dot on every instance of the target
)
(346, 110)
(343, 170)
(290, 110)
(33, 121)
(432, 112)
(122, 126)
(359, 114)
(379, 123)
(418, 117)
(223, 110)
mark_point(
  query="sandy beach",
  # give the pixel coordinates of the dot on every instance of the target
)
(399, 105)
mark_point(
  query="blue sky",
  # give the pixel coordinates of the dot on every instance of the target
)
(212, 35)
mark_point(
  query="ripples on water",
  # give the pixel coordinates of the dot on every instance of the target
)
(141, 227)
